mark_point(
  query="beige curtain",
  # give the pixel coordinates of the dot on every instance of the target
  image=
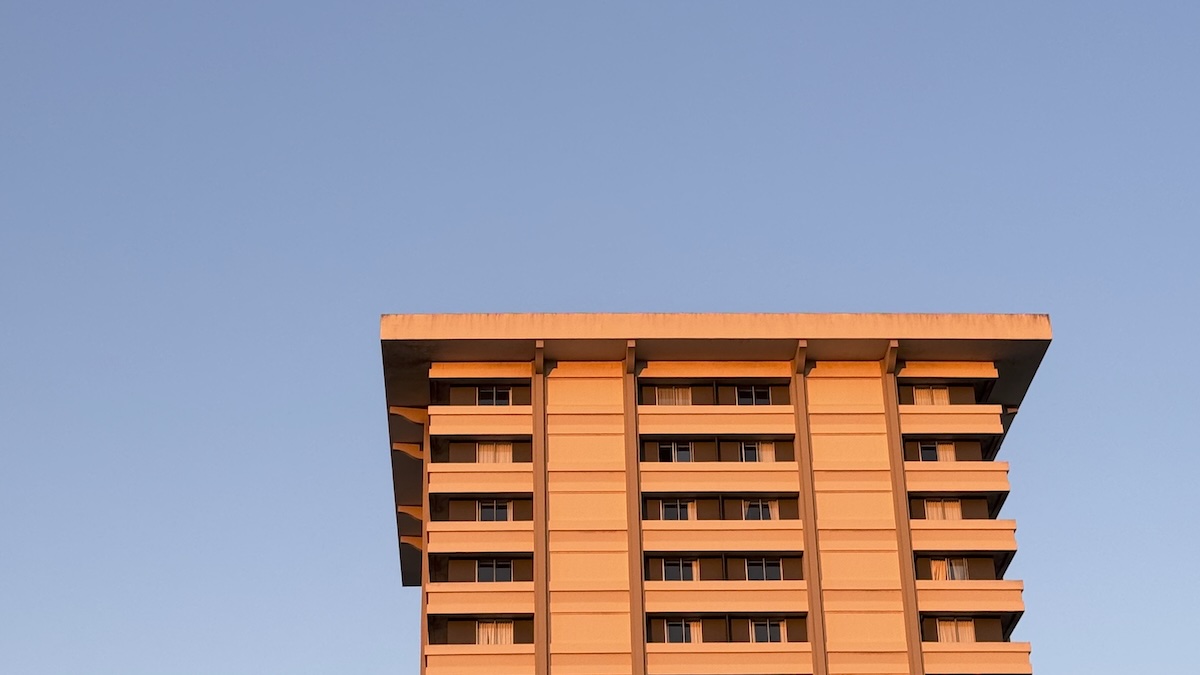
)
(931, 395)
(494, 633)
(943, 509)
(956, 630)
(939, 569)
(499, 452)
(945, 452)
(766, 451)
(674, 396)
(696, 630)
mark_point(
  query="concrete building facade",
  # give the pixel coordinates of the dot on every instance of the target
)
(704, 494)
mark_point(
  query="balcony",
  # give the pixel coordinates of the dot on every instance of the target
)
(964, 536)
(969, 596)
(950, 419)
(956, 477)
(514, 536)
(684, 420)
(699, 597)
(716, 477)
(978, 658)
(722, 535)
(479, 659)
(472, 420)
(480, 478)
(512, 597)
(729, 658)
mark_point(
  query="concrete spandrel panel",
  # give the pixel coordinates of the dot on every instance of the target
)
(587, 511)
(866, 631)
(855, 509)
(846, 391)
(592, 569)
(585, 392)
(589, 632)
(860, 569)
(865, 451)
(561, 480)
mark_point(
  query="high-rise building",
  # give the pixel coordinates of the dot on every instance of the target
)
(694, 494)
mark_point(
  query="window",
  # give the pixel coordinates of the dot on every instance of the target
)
(956, 630)
(673, 395)
(494, 632)
(943, 509)
(676, 509)
(937, 451)
(758, 394)
(948, 569)
(931, 395)
(758, 451)
(680, 631)
(764, 569)
(493, 510)
(494, 570)
(678, 569)
(675, 451)
(498, 452)
(495, 395)
(757, 509)
(766, 630)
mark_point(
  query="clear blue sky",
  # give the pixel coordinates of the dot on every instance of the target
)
(205, 207)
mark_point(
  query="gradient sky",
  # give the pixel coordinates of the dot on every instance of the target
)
(205, 207)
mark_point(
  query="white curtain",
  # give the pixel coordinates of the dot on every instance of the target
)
(499, 452)
(939, 569)
(943, 509)
(958, 568)
(945, 452)
(674, 396)
(494, 633)
(766, 451)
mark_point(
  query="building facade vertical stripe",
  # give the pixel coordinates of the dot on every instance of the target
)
(541, 549)
(633, 509)
(908, 574)
(808, 513)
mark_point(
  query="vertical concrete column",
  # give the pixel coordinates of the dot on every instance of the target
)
(541, 554)
(808, 513)
(908, 574)
(633, 512)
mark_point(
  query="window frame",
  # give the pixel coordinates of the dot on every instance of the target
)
(494, 391)
(761, 506)
(685, 631)
(683, 506)
(768, 565)
(773, 629)
(754, 391)
(496, 505)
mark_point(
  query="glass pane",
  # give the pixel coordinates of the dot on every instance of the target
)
(487, 396)
(749, 452)
(775, 634)
(666, 452)
(487, 511)
(745, 395)
(762, 396)
(503, 395)
(672, 570)
(929, 452)
(755, 570)
(677, 631)
(683, 452)
(773, 570)
(503, 570)
(761, 632)
(486, 571)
